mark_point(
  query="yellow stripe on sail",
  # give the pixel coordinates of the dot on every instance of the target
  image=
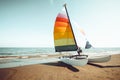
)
(62, 42)
(63, 36)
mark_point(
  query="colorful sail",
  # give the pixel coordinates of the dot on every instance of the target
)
(63, 35)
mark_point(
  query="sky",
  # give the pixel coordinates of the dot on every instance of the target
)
(30, 23)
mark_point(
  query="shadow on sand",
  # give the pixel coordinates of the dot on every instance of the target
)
(101, 66)
(61, 64)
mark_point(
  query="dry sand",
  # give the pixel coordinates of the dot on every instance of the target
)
(59, 71)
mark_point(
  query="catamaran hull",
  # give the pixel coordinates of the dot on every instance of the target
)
(99, 59)
(75, 62)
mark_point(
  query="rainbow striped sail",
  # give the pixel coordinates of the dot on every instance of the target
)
(63, 35)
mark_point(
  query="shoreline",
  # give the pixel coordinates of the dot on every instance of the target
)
(60, 71)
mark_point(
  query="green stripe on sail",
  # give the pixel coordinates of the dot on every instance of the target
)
(63, 42)
(65, 48)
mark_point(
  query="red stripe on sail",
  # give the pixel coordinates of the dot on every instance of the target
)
(62, 19)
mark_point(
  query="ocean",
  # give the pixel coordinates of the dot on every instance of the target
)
(25, 51)
(15, 62)
(6, 51)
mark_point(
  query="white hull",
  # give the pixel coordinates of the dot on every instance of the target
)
(75, 62)
(99, 59)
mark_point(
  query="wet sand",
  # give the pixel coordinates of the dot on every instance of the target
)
(60, 71)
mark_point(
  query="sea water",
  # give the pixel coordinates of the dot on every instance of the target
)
(10, 51)
(34, 51)
(25, 51)
(17, 51)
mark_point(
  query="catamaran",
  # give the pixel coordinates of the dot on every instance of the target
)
(65, 41)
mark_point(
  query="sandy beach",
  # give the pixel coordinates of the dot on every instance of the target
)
(59, 71)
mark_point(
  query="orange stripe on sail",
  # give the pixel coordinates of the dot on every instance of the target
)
(59, 30)
(69, 29)
(60, 24)
(62, 29)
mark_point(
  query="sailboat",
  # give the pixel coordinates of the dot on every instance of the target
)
(65, 41)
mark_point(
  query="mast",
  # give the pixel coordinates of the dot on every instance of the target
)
(70, 24)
